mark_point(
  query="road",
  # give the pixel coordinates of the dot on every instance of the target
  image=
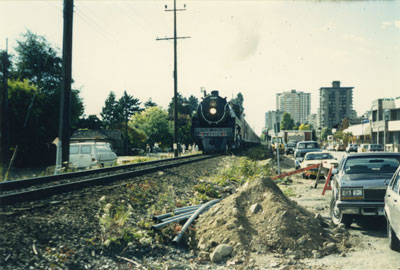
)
(370, 249)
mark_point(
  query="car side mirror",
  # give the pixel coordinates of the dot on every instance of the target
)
(334, 171)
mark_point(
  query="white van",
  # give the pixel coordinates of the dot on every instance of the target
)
(89, 154)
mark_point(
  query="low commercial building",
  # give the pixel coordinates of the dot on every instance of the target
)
(385, 122)
(383, 125)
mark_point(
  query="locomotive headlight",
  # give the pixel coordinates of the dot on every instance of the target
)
(213, 111)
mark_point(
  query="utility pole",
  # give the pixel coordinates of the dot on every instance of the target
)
(4, 140)
(65, 95)
(175, 146)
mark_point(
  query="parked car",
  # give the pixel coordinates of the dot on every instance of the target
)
(340, 147)
(302, 148)
(359, 185)
(312, 158)
(89, 154)
(289, 148)
(352, 147)
(330, 147)
(374, 147)
(392, 211)
(363, 148)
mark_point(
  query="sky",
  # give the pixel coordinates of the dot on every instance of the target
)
(258, 48)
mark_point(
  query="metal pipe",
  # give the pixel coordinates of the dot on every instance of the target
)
(176, 212)
(174, 219)
(180, 215)
(192, 218)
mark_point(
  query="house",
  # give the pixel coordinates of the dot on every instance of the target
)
(114, 137)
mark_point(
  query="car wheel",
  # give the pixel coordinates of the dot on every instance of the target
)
(394, 242)
(336, 215)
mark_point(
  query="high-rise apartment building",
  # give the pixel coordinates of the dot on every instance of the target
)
(336, 103)
(271, 117)
(297, 104)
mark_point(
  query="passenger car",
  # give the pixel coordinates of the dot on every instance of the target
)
(289, 148)
(359, 185)
(89, 154)
(363, 148)
(340, 147)
(392, 211)
(351, 147)
(302, 148)
(312, 158)
(375, 147)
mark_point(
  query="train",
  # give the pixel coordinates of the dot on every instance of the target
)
(219, 126)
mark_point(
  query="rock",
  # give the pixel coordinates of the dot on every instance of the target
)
(255, 208)
(330, 247)
(274, 265)
(230, 226)
(317, 216)
(220, 252)
(317, 255)
(203, 256)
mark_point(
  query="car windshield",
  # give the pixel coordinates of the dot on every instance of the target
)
(310, 145)
(318, 156)
(291, 144)
(371, 164)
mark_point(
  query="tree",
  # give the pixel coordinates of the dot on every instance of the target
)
(304, 127)
(127, 106)
(109, 112)
(38, 62)
(193, 103)
(186, 107)
(287, 122)
(325, 132)
(150, 103)
(91, 122)
(345, 137)
(153, 122)
(35, 81)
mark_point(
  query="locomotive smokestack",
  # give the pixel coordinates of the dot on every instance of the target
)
(214, 92)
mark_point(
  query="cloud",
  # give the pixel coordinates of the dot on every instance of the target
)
(390, 24)
(353, 37)
(328, 27)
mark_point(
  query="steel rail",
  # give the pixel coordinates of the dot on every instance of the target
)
(40, 193)
(25, 183)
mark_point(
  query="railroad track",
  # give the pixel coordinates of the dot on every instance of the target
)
(17, 191)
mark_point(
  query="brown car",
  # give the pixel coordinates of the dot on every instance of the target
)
(340, 147)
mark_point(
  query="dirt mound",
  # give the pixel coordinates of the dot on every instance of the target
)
(259, 218)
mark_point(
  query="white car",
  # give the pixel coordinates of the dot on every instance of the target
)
(90, 154)
(313, 158)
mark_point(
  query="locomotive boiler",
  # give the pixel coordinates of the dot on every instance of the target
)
(220, 126)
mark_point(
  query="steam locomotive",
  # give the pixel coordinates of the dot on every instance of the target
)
(220, 126)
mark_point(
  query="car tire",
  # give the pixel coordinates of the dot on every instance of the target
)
(394, 242)
(336, 215)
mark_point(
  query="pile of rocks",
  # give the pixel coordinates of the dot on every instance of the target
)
(260, 218)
